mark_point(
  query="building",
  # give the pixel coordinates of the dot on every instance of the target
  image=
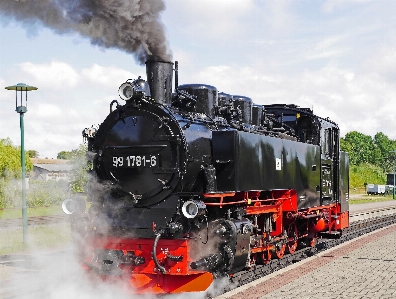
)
(50, 169)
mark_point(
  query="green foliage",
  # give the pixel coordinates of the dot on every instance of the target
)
(46, 193)
(38, 194)
(370, 158)
(365, 173)
(73, 154)
(364, 149)
(10, 160)
(360, 147)
(78, 175)
(64, 155)
(32, 154)
(10, 170)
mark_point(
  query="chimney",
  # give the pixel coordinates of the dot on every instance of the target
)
(159, 78)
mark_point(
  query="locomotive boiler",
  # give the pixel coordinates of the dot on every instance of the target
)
(191, 184)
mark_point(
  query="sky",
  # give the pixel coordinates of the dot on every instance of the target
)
(337, 57)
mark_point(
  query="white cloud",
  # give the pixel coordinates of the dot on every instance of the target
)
(214, 8)
(330, 41)
(2, 82)
(280, 16)
(107, 76)
(332, 5)
(211, 20)
(383, 61)
(325, 54)
(56, 75)
(45, 110)
(329, 47)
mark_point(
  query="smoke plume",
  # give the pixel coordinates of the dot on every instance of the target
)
(129, 25)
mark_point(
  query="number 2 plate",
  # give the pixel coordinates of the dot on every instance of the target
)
(137, 161)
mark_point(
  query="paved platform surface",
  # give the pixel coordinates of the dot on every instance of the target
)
(370, 205)
(361, 268)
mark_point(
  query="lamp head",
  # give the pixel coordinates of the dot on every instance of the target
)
(21, 87)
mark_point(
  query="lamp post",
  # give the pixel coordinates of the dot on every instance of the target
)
(22, 109)
(394, 170)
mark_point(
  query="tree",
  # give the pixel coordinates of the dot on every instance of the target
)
(32, 154)
(360, 147)
(64, 155)
(384, 147)
(10, 160)
(78, 175)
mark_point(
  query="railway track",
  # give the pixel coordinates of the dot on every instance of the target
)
(37, 220)
(356, 229)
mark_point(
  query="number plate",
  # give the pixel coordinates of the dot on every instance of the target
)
(136, 161)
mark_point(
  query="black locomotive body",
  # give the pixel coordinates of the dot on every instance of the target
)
(194, 184)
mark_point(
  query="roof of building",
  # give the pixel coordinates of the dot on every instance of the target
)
(55, 167)
(48, 161)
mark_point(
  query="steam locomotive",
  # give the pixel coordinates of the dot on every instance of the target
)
(192, 184)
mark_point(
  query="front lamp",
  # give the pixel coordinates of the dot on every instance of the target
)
(126, 91)
(74, 206)
(193, 208)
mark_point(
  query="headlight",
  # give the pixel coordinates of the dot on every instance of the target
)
(74, 205)
(192, 208)
(126, 91)
(69, 206)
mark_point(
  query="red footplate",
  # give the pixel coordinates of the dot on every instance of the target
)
(173, 256)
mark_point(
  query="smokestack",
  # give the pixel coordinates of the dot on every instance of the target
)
(159, 77)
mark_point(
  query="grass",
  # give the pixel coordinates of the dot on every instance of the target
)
(368, 199)
(36, 211)
(360, 196)
(40, 238)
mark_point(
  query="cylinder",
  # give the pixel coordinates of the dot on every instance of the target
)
(159, 78)
(224, 99)
(257, 115)
(206, 97)
(245, 104)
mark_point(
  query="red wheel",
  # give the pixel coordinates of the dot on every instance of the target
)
(253, 259)
(292, 238)
(280, 250)
(311, 242)
(264, 257)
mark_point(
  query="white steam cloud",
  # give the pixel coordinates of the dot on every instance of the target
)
(58, 275)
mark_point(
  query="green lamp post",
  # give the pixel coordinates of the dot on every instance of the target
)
(394, 172)
(22, 109)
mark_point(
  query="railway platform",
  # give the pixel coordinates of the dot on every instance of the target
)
(362, 268)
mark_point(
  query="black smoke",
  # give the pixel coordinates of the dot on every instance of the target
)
(133, 26)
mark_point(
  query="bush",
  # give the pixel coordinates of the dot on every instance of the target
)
(365, 173)
(47, 193)
(38, 194)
